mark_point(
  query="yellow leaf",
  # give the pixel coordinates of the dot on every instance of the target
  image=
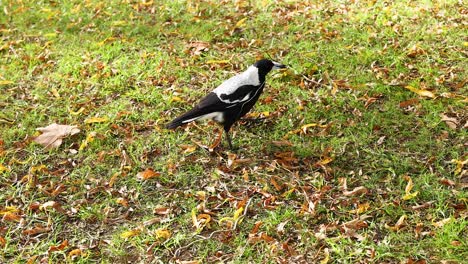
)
(55, 92)
(238, 213)
(89, 138)
(176, 99)
(241, 22)
(3, 168)
(50, 35)
(460, 165)
(327, 257)
(130, 233)
(409, 196)
(162, 233)
(188, 148)
(77, 112)
(325, 161)
(9, 209)
(361, 208)
(75, 252)
(5, 82)
(96, 120)
(399, 224)
(109, 39)
(424, 93)
(119, 23)
(409, 186)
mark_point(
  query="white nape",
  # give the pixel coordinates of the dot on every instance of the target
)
(248, 77)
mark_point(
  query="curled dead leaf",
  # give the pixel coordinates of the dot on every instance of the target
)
(409, 186)
(60, 247)
(74, 253)
(147, 174)
(399, 224)
(451, 122)
(442, 222)
(356, 191)
(36, 230)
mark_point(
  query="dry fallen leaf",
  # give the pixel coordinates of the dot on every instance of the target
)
(409, 186)
(162, 233)
(425, 93)
(75, 252)
(399, 224)
(96, 120)
(442, 222)
(147, 174)
(449, 121)
(53, 134)
(62, 246)
(356, 191)
(130, 233)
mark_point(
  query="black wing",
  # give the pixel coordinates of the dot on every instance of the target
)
(240, 93)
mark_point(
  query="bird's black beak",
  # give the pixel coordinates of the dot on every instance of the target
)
(277, 65)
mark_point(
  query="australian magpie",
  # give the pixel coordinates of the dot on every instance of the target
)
(232, 99)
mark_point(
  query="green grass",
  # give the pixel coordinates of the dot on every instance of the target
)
(136, 63)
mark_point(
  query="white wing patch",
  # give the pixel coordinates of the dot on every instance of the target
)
(216, 116)
(248, 77)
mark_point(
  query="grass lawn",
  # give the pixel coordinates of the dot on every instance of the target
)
(355, 154)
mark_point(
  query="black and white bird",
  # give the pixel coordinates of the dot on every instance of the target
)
(232, 99)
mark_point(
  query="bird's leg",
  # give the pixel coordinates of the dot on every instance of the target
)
(228, 138)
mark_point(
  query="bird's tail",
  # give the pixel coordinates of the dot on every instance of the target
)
(188, 117)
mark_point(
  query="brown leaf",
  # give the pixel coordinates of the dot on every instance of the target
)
(442, 222)
(414, 51)
(162, 210)
(356, 191)
(255, 238)
(447, 182)
(256, 227)
(449, 121)
(122, 201)
(2, 241)
(10, 216)
(52, 204)
(197, 47)
(409, 102)
(357, 223)
(36, 230)
(53, 134)
(147, 174)
(62, 246)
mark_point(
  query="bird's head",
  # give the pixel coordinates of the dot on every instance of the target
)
(265, 66)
